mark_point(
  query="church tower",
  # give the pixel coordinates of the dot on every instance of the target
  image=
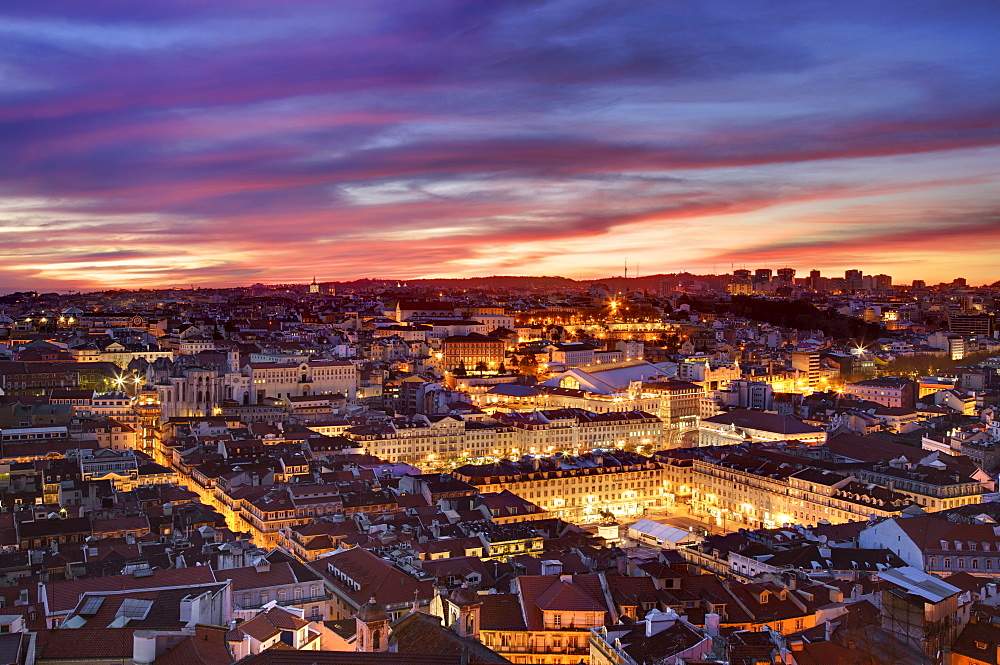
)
(463, 611)
(314, 287)
(372, 625)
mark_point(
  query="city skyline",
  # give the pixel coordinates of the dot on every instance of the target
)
(228, 144)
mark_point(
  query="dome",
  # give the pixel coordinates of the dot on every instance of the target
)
(464, 596)
(371, 611)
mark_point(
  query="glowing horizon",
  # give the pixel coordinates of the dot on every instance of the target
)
(225, 144)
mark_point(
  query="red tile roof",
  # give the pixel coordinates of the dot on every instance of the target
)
(255, 577)
(206, 647)
(548, 592)
(84, 644)
(63, 594)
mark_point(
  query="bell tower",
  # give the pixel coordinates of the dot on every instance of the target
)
(372, 625)
(463, 611)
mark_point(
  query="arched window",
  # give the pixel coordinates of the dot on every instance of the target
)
(570, 383)
(376, 639)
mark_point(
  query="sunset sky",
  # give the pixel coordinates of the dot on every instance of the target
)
(228, 142)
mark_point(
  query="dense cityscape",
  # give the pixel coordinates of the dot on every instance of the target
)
(742, 468)
(451, 332)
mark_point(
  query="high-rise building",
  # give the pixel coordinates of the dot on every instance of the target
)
(786, 274)
(919, 284)
(742, 272)
(807, 366)
(814, 277)
(882, 283)
(763, 274)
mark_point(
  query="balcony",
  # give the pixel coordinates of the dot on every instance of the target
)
(567, 650)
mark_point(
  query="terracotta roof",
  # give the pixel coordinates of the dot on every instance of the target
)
(501, 611)
(761, 420)
(84, 644)
(250, 577)
(549, 592)
(420, 633)
(63, 594)
(284, 657)
(206, 647)
(979, 641)
(267, 624)
(374, 576)
(163, 606)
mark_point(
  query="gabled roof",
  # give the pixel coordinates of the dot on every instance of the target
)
(420, 633)
(919, 583)
(275, 656)
(374, 577)
(549, 592)
(257, 577)
(761, 420)
(501, 611)
(63, 595)
(270, 623)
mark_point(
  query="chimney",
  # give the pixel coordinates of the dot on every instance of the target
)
(185, 610)
(566, 578)
(552, 567)
(828, 633)
(795, 645)
(657, 621)
(143, 647)
(712, 625)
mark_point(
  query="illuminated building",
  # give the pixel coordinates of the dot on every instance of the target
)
(472, 351)
(887, 391)
(425, 439)
(743, 487)
(407, 309)
(547, 620)
(679, 402)
(574, 354)
(575, 488)
(807, 365)
(734, 427)
(119, 466)
(563, 430)
(709, 375)
(309, 378)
